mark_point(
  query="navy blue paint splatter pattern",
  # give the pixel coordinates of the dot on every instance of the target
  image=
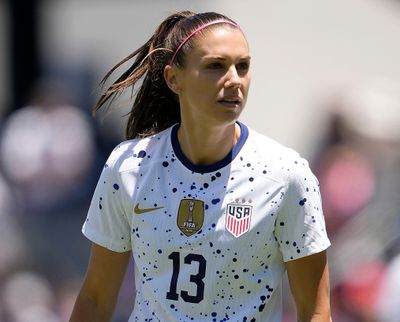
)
(207, 274)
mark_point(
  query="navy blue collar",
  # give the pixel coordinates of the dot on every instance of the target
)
(244, 133)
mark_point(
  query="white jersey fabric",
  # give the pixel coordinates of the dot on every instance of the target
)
(209, 242)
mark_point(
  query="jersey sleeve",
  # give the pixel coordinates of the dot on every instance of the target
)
(107, 222)
(300, 225)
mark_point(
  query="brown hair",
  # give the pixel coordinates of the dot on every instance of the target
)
(155, 107)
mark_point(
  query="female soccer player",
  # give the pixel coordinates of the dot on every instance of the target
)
(212, 212)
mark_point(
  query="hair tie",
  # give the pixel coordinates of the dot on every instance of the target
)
(195, 32)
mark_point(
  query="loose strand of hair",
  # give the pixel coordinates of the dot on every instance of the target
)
(135, 72)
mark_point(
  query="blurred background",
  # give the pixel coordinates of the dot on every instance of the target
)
(326, 82)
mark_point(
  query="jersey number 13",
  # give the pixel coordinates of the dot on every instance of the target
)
(196, 279)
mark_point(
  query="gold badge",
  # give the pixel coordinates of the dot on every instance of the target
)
(190, 216)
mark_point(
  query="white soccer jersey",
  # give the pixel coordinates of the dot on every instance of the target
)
(209, 242)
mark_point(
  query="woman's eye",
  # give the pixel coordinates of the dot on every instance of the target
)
(214, 66)
(243, 66)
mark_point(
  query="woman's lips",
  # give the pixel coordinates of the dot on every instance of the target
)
(231, 102)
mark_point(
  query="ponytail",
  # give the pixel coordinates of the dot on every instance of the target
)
(155, 107)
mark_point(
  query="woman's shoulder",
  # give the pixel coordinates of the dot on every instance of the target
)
(271, 147)
(283, 159)
(133, 152)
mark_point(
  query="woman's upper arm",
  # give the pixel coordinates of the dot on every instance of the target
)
(99, 292)
(105, 273)
(309, 283)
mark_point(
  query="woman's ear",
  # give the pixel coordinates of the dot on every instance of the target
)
(172, 79)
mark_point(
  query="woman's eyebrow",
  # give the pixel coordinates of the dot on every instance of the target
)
(218, 57)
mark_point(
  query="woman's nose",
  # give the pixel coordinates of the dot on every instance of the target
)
(232, 78)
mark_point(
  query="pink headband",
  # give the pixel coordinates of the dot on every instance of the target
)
(195, 32)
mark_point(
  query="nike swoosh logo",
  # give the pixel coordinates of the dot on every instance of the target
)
(139, 211)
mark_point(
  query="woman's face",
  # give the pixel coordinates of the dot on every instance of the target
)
(213, 84)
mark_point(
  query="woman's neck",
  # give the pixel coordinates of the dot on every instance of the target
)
(204, 146)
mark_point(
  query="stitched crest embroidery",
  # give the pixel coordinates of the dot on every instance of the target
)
(238, 219)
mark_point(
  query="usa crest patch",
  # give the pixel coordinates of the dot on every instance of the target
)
(238, 219)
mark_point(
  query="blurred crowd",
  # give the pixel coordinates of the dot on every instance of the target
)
(51, 154)
(358, 166)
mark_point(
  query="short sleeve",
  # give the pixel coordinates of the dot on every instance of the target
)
(107, 223)
(300, 225)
